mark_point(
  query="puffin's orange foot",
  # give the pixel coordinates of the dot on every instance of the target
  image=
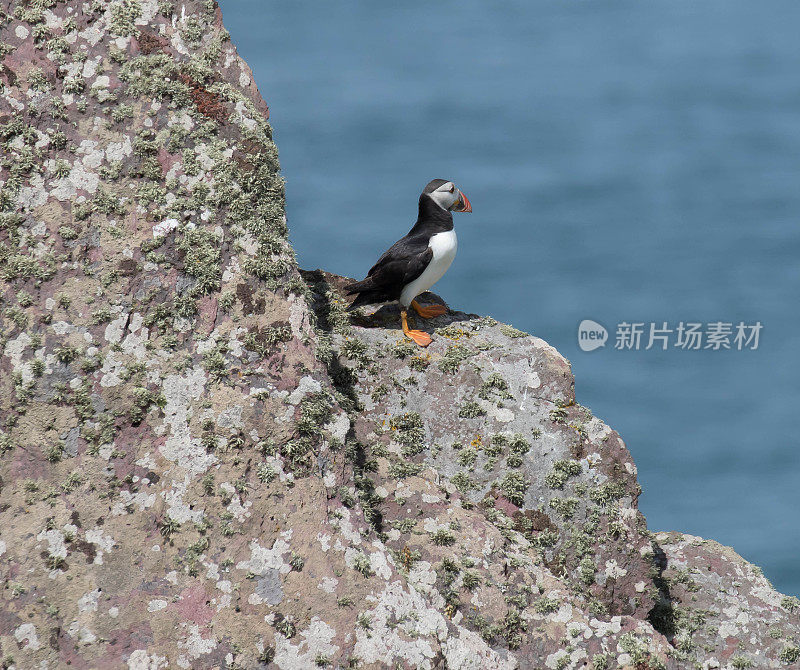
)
(429, 312)
(419, 336)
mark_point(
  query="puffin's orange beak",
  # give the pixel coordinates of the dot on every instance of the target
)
(466, 205)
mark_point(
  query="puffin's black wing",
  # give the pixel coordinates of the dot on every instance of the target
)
(401, 264)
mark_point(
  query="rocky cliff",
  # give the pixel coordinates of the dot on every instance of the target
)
(205, 462)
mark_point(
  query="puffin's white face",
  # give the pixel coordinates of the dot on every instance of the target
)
(447, 196)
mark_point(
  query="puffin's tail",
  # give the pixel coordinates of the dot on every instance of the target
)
(359, 286)
(368, 293)
(366, 298)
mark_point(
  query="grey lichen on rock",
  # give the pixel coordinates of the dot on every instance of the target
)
(204, 462)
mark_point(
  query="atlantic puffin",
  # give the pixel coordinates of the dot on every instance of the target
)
(416, 262)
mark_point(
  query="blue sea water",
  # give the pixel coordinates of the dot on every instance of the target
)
(626, 161)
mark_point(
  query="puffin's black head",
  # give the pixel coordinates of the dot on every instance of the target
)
(445, 194)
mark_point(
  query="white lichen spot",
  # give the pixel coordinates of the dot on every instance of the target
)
(606, 628)
(380, 565)
(613, 570)
(307, 385)
(141, 660)
(116, 151)
(579, 629)
(177, 509)
(328, 584)
(140, 500)
(431, 525)
(316, 642)
(162, 228)
(88, 602)
(156, 605)
(81, 633)
(240, 512)
(325, 541)
(195, 645)
(148, 9)
(114, 330)
(90, 67)
(500, 414)
(79, 178)
(728, 629)
(180, 447)
(231, 417)
(63, 328)
(422, 577)
(27, 633)
(298, 317)
(557, 659)
(232, 271)
(763, 590)
(92, 156)
(33, 196)
(55, 542)
(92, 34)
(14, 349)
(243, 118)
(346, 528)
(261, 559)
(412, 619)
(338, 427)
(52, 21)
(103, 543)
(564, 613)
(593, 459)
(627, 513)
(469, 651)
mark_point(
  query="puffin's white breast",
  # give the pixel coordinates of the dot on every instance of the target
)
(444, 246)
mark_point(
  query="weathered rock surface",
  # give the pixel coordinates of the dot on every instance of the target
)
(724, 612)
(205, 463)
(569, 576)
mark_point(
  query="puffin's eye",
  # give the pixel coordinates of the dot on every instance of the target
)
(452, 189)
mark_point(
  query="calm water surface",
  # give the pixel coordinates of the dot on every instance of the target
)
(626, 161)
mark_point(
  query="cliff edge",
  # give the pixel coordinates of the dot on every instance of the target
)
(205, 462)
